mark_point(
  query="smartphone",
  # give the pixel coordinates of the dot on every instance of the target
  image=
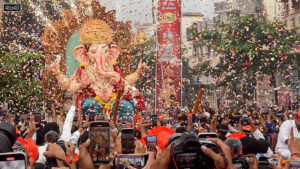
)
(154, 120)
(25, 119)
(91, 114)
(127, 140)
(13, 160)
(138, 134)
(99, 148)
(151, 142)
(91, 117)
(38, 119)
(134, 160)
(294, 165)
(49, 104)
(2, 114)
(207, 135)
(193, 118)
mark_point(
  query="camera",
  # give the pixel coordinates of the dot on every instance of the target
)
(240, 163)
(279, 115)
(187, 153)
(8, 136)
(245, 120)
(51, 161)
(263, 163)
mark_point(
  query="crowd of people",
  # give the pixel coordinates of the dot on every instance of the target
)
(230, 137)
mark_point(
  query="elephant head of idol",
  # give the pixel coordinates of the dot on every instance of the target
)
(97, 46)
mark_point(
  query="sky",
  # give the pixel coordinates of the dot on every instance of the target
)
(141, 10)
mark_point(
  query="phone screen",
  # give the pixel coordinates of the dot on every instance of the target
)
(207, 135)
(187, 160)
(100, 142)
(151, 143)
(38, 118)
(136, 161)
(2, 115)
(91, 117)
(193, 118)
(127, 141)
(13, 160)
(49, 104)
(154, 121)
(138, 134)
(25, 119)
(294, 165)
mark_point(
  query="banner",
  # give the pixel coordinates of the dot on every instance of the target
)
(168, 86)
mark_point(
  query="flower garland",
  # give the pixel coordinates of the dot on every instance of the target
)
(106, 105)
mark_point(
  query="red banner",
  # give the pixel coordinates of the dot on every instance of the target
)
(168, 86)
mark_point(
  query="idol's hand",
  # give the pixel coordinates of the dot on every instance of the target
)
(54, 67)
(142, 67)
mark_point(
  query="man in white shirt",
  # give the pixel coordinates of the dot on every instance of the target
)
(285, 134)
(258, 135)
(65, 135)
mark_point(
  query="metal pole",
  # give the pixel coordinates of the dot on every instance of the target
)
(156, 47)
(181, 94)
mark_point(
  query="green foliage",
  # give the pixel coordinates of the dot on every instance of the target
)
(21, 30)
(147, 83)
(247, 47)
(19, 79)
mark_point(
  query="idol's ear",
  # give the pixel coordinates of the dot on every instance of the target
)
(115, 51)
(80, 54)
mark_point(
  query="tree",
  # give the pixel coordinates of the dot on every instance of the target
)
(21, 31)
(189, 90)
(20, 80)
(248, 47)
(147, 83)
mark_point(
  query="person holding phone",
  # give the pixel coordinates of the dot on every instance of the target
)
(99, 148)
(66, 131)
(13, 161)
(127, 135)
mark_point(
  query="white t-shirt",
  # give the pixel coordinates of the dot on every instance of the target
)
(66, 134)
(42, 149)
(284, 134)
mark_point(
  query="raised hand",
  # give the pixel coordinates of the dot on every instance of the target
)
(85, 160)
(54, 150)
(221, 161)
(139, 147)
(54, 67)
(142, 66)
(70, 150)
(294, 143)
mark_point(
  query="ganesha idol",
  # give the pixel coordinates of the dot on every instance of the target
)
(98, 78)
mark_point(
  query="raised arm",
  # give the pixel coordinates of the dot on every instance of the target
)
(66, 132)
(66, 83)
(134, 77)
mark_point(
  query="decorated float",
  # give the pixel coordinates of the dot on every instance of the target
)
(100, 61)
